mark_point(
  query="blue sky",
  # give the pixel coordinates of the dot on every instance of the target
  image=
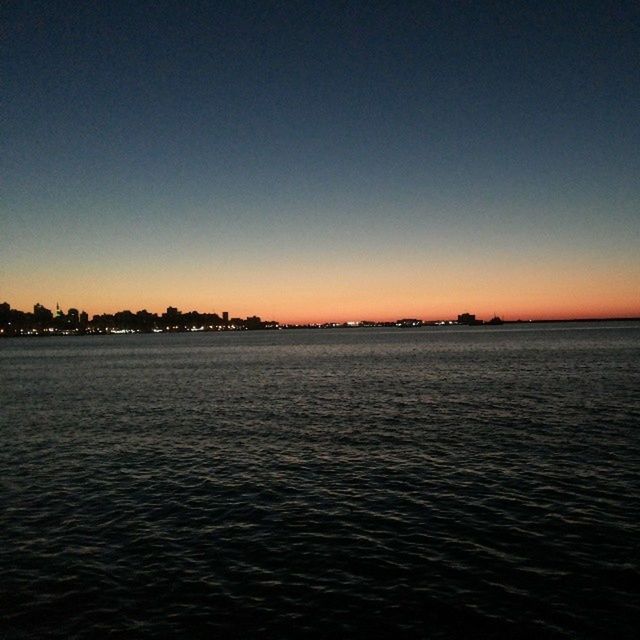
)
(261, 155)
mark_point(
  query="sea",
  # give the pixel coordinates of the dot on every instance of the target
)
(437, 482)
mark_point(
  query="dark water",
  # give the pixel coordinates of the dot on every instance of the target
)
(453, 482)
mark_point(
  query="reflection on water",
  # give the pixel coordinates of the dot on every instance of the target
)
(432, 482)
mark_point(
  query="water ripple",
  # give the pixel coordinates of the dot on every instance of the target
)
(428, 484)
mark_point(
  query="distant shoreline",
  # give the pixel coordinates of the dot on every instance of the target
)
(450, 323)
(328, 325)
(635, 319)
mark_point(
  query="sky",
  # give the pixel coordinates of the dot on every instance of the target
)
(322, 161)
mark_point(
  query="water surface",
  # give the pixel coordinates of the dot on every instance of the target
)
(432, 482)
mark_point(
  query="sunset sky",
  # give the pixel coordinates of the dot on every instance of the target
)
(314, 161)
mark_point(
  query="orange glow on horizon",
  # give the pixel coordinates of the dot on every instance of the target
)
(308, 292)
(345, 312)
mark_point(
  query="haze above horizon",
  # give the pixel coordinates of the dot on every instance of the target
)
(323, 161)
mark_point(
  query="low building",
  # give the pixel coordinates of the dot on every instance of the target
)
(468, 319)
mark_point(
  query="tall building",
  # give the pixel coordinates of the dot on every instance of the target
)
(41, 313)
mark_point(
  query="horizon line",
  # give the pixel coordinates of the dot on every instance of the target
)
(513, 318)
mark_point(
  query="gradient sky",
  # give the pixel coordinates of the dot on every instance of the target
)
(321, 161)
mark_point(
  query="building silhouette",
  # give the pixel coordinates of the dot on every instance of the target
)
(468, 319)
